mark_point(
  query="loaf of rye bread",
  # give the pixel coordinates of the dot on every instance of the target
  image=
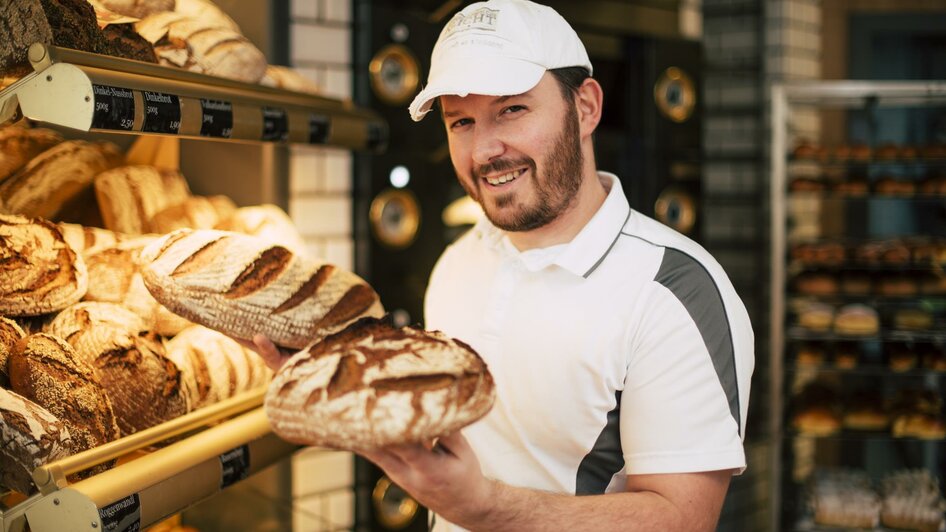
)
(46, 370)
(242, 286)
(128, 196)
(30, 436)
(10, 334)
(374, 385)
(144, 386)
(39, 271)
(115, 277)
(214, 366)
(56, 179)
(196, 212)
(18, 146)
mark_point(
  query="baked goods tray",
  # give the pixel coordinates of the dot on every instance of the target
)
(92, 92)
(160, 471)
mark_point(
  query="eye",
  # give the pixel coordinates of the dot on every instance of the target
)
(514, 109)
(460, 123)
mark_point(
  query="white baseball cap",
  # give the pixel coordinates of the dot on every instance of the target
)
(498, 48)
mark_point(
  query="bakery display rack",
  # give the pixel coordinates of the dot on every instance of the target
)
(160, 471)
(92, 92)
(857, 307)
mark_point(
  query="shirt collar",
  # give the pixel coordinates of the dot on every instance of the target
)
(590, 245)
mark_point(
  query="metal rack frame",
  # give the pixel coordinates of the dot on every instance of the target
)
(825, 94)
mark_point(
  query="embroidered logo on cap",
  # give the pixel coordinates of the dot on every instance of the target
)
(483, 18)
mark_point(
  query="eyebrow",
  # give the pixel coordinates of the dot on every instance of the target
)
(500, 99)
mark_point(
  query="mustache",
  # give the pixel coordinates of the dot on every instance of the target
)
(502, 165)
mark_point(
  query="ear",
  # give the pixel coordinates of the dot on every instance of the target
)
(588, 102)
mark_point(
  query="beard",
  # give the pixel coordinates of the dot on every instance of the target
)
(555, 190)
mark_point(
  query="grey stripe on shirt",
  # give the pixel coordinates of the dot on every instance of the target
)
(689, 281)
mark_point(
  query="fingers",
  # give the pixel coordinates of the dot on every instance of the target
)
(271, 355)
(455, 444)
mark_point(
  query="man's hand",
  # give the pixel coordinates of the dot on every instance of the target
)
(272, 355)
(445, 478)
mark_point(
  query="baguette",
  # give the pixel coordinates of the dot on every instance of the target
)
(241, 285)
(39, 271)
(30, 436)
(374, 385)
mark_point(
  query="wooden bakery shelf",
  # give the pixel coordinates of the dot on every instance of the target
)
(92, 92)
(215, 447)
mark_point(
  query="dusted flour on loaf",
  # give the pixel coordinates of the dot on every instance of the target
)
(373, 385)
(242, 285)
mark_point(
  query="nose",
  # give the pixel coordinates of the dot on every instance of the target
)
(486, 145)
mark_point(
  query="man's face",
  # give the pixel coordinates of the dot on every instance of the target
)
(518, 156)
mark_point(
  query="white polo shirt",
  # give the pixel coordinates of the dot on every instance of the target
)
(624, 351)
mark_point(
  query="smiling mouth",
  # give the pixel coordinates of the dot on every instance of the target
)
(504, 178)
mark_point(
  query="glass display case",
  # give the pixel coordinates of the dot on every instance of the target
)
(858, 308)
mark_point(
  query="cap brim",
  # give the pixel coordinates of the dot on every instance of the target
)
(494, 76)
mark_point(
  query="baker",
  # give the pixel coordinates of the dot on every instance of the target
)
(620, 351)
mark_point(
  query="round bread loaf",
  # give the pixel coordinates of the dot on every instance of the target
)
(46, 370)
(10, 334)
(143, 384)
(215, 366)
(129, 196)
(30, 436)
(241, 285)
(84, 239)
(138, 8)
(373, 385)
(39, 271)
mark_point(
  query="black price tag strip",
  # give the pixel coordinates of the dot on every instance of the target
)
(122, 516)
(114, 108)
(162, 113)
(318, 129)
(235, 465)
(275, 124)
(216, 118)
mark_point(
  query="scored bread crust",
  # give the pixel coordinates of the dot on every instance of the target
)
(374, 385)
(114, 341)
(242, 285)
(39, 271)
(30, 436)
(46, 370)
(10, 334)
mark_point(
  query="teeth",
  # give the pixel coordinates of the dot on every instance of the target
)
(505, 178)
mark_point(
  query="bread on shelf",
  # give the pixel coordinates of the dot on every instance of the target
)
(845, 498)
(30, 436)
(856, 319)
(912, 500)
(816, 316)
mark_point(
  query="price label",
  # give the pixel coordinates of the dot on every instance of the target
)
(235, 465)
(275, 124)
(216, 118)
(114, 108)
(162, 113)
(122, 516)
(318, 129)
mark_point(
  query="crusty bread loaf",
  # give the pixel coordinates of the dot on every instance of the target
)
(196, 212)
(176, 189)
(241, 285)
(85, 239)
(203, 45)
(282, 77)
(39, 271)
(18, 145)
(268, 222)
(46, 370)
(207, 11)
(53, 179)
(373, 385)
(115, 277)
(128, 196)
(10, 334)
(143, 385)
(215, 366)
(224, 206)
(30, 436)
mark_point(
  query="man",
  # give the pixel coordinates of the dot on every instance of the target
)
(620, 351)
